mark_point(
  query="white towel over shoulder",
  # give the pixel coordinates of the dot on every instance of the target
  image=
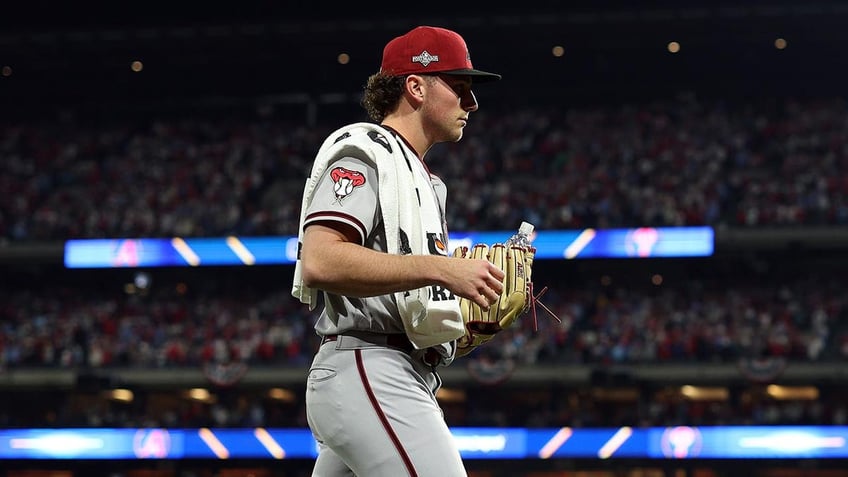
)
(427, 323)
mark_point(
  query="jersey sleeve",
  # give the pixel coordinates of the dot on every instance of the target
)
(346, 194)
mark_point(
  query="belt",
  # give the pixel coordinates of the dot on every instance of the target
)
(396, 340)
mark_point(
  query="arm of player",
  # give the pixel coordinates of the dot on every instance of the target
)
(334, 263)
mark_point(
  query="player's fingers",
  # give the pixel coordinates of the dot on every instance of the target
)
(496, 272)
(497, 285)
(493, 279)
(482, 300)
(492, 295)
(487, 297)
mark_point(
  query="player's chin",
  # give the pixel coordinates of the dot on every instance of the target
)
(451, 133)
(456, 134)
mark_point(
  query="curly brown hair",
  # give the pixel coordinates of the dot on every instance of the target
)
(382, 94)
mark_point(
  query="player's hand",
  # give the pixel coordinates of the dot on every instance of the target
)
(477, 280)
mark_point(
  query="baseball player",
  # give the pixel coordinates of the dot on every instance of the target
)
(373, 242)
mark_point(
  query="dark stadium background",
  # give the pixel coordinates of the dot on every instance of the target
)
(77, 52)
(70, 61)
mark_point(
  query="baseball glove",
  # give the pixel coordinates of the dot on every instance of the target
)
(517, 264)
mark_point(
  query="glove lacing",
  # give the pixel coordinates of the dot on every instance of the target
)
(534, 300)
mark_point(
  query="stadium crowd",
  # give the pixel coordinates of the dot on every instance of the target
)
(665, 163)
(75, 326)
(79, 327)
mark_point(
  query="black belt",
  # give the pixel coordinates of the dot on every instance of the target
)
(396, 340)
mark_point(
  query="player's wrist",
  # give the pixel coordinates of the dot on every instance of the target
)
(432, 268)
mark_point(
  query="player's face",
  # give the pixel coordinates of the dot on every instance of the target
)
(449, 103)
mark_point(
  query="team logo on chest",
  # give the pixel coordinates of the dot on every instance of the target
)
(345, 181)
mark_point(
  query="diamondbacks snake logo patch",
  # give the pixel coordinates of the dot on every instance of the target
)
(344, 181)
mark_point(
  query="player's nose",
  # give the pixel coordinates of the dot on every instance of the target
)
(469, 101)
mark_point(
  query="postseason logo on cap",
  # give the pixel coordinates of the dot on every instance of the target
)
(425, 58)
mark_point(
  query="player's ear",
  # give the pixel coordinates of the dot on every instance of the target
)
(415, 86)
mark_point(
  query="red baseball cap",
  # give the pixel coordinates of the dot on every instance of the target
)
(427, 50)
